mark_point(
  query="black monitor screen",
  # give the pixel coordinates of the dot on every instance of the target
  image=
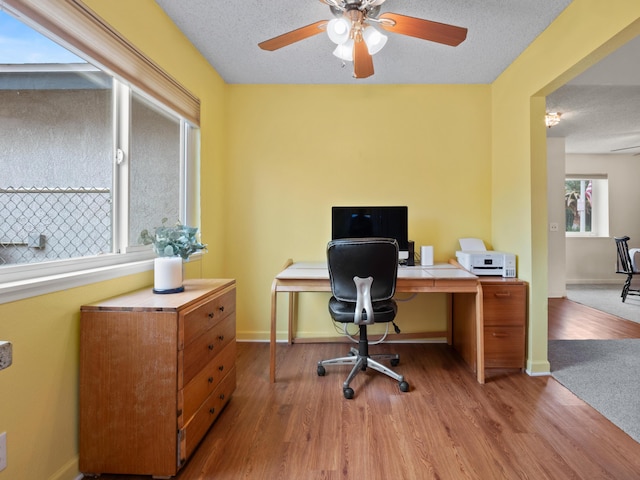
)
(354, 222)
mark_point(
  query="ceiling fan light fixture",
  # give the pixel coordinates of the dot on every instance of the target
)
(345, 51)
(374, 39)
(339, 30)
(551, 119)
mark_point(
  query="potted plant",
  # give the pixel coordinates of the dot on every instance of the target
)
(172, 245)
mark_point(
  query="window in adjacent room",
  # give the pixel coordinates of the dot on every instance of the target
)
(586, 201)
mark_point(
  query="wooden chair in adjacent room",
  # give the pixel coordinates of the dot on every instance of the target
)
(626, 266)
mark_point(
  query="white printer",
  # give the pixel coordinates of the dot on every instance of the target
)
(480, 261)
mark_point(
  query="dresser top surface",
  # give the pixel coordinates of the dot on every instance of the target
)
(144, 298)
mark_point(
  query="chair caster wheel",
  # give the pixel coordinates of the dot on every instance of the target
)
(348, 393)
(404, 386)
(395, 362)
(321, 371)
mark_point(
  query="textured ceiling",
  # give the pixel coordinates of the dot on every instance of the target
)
(600, 108)
(227, 34)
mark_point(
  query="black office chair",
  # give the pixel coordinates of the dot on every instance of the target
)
(625, 266)
(363, 275)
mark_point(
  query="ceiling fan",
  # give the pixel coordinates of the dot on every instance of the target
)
(356, 38)
(627, 148)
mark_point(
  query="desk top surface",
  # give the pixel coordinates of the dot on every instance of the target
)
(319, 271)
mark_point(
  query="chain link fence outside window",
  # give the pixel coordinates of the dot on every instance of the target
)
(39, 224)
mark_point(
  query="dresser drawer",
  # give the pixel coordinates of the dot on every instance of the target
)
(504, 347)
(206, 315)
(504, 304)
(206, 347)
(191, 435)
(206, 381)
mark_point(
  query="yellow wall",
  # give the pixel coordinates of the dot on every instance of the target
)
(276, 158)
(294, 151)
(583, 34)
(39, 391)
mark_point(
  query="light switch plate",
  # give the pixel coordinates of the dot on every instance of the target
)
(6, 354)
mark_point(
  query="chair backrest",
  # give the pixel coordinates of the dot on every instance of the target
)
(623, 264)
(363, 257)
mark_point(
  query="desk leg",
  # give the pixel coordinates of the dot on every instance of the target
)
(479, 335)
(449, 318)
(293, 309)
(272, 338)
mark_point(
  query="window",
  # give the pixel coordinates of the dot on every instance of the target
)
(89, 159)
(586, 201)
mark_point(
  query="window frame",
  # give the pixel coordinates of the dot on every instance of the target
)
(74, 26)
(599, 226)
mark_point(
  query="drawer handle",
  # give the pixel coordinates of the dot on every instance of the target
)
(221, 337)
(210, 379)
(222, 396)
(211, 314)
(500, 335)
(221, 308)
(221, 367)
(212, 410)
(503, 294)
(210, 346)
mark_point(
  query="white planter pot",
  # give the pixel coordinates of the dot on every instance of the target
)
(167, 275)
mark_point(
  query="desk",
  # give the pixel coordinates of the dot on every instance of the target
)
(440, 278)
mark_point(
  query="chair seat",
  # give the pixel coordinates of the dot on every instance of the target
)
(383, 311)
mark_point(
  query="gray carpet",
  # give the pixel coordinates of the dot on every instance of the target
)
(607, 299)
(604, 374)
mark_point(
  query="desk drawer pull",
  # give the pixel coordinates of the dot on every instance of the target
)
(503, 294)
(499, 335)
(221, 308)
(210, 346)
(210, 379)
(211, 314)
(221, 367)
(212, 410)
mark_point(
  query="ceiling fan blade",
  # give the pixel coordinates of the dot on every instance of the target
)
(362, 60)
(625, 148)
(294, 36)
(424, 29)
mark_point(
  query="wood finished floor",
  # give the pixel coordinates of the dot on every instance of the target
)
(447, 427)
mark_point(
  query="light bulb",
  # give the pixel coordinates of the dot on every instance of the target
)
(345, 51)
(338, 30)
(374, 40)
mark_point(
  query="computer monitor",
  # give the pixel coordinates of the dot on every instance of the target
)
(381, 221)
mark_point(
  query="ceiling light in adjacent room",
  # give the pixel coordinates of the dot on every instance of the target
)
(551, 119)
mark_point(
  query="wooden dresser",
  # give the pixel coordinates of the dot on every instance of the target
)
(155, 372)
(504, 307)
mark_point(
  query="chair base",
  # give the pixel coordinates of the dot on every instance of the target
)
(360, 363)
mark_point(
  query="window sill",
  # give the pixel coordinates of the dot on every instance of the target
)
(584, 235)
(12, 291)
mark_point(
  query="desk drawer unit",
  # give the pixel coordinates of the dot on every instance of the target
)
(155, 373)
(504, 313)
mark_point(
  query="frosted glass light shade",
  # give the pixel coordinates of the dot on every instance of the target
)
(339, 30)
(345, 51)
(374, 40)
